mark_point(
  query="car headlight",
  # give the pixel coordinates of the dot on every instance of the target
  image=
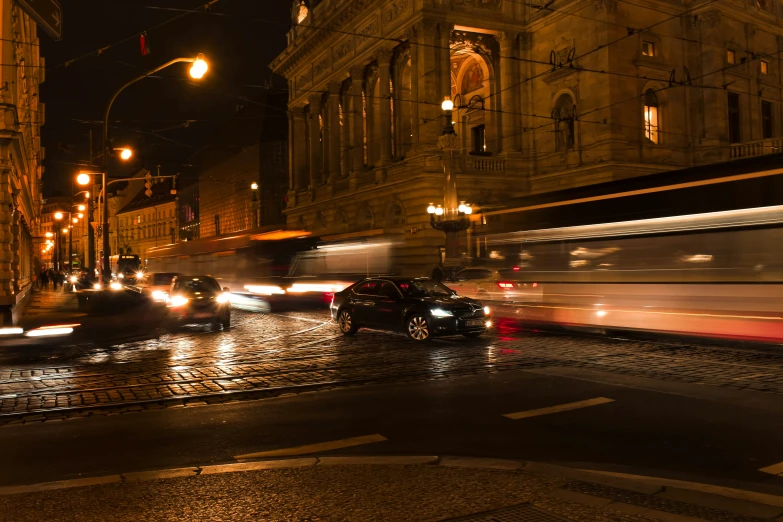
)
(121, 276)
(157, 295)
(74, 279)
(440, 312)
(115, 285)
(139, 275)
(223, 298)
(178, 300)
(486, 310)
(96, 286)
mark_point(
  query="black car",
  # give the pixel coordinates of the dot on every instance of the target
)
(199, 299)
(420, 307)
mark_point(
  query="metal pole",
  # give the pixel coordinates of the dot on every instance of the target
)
(90, 231)
(70, 247)
(105, 162)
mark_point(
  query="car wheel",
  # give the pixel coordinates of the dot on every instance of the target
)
(418, 328)
(345, 320)
(471, 335)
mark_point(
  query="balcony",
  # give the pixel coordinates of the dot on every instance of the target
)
(482, 164)
(755, 148)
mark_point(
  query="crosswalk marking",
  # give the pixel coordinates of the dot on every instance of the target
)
(559, 408)
(315, 448)
(775, 469)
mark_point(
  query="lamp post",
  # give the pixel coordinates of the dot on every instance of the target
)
(450, 218)
(197, 71)
(256, 210)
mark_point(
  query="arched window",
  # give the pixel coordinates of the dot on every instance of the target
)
(564, 115)
(395, 216)
(366, 219)
(651, 116)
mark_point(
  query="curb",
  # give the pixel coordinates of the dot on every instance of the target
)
(707, 498)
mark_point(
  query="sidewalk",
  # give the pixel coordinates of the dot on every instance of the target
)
(386, 488)
(49, 301)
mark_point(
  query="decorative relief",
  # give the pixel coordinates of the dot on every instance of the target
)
(606, 6)
(469, 40)
(495, 5)
(365, 33)
(710, 19)
(321, 66)
(304, 79)
(507, 38)
(342, 50)
(562, 51)
(393, 11)
(750, 30)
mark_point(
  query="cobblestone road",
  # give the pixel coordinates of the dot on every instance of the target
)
(267, 355)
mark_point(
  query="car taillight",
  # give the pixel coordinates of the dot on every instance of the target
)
(504, 285)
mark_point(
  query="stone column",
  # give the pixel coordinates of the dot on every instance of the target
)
(291, 175)
(357, 118)
(384, 92)
(428, 96)
(16, 231)
(333, 131)
(316, 153)
(300, 150)
(508, 96)
(6, 236)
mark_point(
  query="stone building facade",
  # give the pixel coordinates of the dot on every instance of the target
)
(75, 246)
(21, 154)
(145, 222)
(547, 96)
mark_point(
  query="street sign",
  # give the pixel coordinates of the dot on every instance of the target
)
(48, 14)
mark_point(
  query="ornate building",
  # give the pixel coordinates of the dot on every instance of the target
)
(20, 157)
(547, 96)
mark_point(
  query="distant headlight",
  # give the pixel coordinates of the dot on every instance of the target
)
(115, 285)
(157, 295)
(121, 276)
(440, 312)
(486, 310)
(74, 279)
(178, 300)
(96, 286)
(223, 298)
(139, 275)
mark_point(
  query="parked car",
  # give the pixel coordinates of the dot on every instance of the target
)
(420, 307)
(156, 284)
(199, 300)
(491, 284)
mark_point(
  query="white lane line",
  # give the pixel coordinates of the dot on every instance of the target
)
(775, 469)
(315, 448)
(559, 408)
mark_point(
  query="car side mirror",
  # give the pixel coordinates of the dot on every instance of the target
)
(226, 289)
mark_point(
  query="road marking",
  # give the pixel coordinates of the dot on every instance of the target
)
(775, 469)
(558, 409)
(315, 448)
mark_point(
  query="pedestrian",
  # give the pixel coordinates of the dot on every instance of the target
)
(44, 279)
(437, 274)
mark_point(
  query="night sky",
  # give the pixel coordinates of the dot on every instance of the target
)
(238, 37)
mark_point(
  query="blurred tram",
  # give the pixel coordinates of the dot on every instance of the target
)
(284, 268)
(694, 252)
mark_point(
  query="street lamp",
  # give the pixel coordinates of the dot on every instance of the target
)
(197, 71)
(256, 210)
(451, 218)
(126, 154)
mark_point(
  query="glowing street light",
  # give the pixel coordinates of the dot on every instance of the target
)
(49, 234)
(58, 216)
(81, 208)
(199, 67)
(75, 220)
(126, 154)
(83, 178)
(254, 186)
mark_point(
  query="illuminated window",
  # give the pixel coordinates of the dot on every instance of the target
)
(648, 49)
(731, 57)
(651, 116)
(764, 67)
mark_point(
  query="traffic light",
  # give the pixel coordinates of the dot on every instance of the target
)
(148, 185)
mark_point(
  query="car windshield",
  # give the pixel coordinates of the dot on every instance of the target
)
(197, 284)
(425, 289)
(162, 279)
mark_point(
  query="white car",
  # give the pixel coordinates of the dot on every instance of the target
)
(492, 284)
